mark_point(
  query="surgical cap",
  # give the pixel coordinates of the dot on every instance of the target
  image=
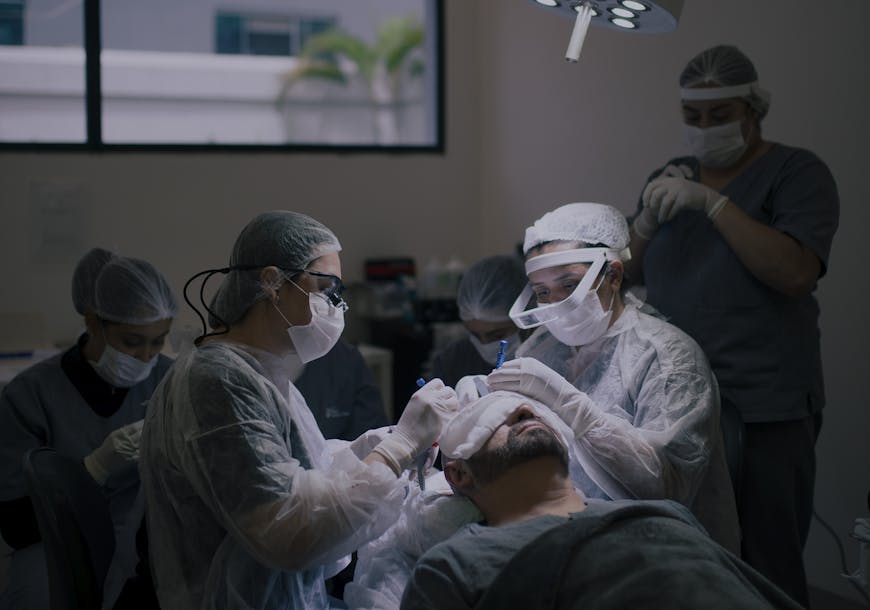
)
(726, 66)
(489, 287)
(288, 240)
(467, 432)
(132, 291)
(590, 223)
(85, 278)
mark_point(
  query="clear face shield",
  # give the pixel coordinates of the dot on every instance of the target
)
(524, 313)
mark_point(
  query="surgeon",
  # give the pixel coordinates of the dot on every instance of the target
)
(247, 505)
(541, 544)
(87, 403)
(637, 392)
(730, 242)
(486, 292)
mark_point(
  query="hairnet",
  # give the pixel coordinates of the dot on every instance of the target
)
(726, 66)
(133, 291)
(590, 223)
(489, 287)
(288, 240)
(84, 278)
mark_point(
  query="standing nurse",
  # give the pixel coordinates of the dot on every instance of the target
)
(730, 243)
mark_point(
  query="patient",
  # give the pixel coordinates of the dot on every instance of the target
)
(542, 544)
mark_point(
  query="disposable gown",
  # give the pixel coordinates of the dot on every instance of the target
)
(657, 431)
(246, 506)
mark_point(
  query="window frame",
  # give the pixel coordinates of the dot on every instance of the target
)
(94, 110)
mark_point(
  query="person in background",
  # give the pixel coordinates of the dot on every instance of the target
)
(87, 403)
(637, 392)
(247, 503)
(341, 392)
(486, 291)
(542, 544)
(730, 242)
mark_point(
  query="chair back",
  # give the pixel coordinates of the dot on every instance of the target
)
(76, 528)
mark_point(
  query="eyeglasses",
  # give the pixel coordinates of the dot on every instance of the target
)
(330, 286)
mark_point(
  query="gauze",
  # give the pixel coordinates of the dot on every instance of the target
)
(472, 427)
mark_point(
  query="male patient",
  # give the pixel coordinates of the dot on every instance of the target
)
(542, 545)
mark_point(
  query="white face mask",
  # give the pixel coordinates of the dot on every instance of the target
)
(489, 351)
(316, 338)
(122, 370)
(719, 146)
(585, 323)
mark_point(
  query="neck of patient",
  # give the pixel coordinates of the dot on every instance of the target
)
(531, 489)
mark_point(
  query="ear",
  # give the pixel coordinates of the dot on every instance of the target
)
(271, 280)
(459, 475)
(615, 271)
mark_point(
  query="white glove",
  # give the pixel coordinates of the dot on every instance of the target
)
(419, 426)
(669, 195)
(647, 222)
(120, 448)
(468, 389)
(538, 381)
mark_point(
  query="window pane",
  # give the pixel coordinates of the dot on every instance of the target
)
(212, 71)
(42, 71)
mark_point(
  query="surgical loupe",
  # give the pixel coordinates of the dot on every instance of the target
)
(642, 16)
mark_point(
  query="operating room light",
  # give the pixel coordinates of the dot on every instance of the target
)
(623, 23)
(643, 17)
(633, 5)
(622, 12)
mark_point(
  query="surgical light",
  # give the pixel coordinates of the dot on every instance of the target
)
(647, 17)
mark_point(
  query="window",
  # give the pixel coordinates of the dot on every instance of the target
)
(204, 74)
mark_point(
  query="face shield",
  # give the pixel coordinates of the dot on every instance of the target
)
(596, 258)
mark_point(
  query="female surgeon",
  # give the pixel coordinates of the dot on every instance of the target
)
(246, 504)
(87, 403)
(730, 243)
(637, 392)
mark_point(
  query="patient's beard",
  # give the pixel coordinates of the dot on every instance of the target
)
(488, 464)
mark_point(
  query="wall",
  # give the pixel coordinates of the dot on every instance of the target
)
(553, 132)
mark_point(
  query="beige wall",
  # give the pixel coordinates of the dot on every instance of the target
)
(526, 132)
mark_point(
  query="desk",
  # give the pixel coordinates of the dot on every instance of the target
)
(380, 361)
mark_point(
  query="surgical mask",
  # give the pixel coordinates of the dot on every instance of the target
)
(718, 146)
(584, 324)
(122, 370)
(315, 339)
(489, 351)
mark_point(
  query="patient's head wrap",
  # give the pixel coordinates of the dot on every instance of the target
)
(288, 240)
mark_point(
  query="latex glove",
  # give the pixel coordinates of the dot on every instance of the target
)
(419, 426)
(368, 440)
(120, 448)
(536, 380)
(647, 222)
(468, 389)
(669, 195)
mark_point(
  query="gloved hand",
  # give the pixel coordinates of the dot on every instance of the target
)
(647, 222)
(468, 389)
(419, 426)
(669, 195)
(120, 448)
(536, 380)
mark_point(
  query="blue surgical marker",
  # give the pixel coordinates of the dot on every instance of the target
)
(502, 346)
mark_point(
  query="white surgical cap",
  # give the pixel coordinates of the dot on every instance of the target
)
(591, 223)
(468, 431)
(84, 278)
(489, 287)
(133, 291)
(288, 240)
(732, 73)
